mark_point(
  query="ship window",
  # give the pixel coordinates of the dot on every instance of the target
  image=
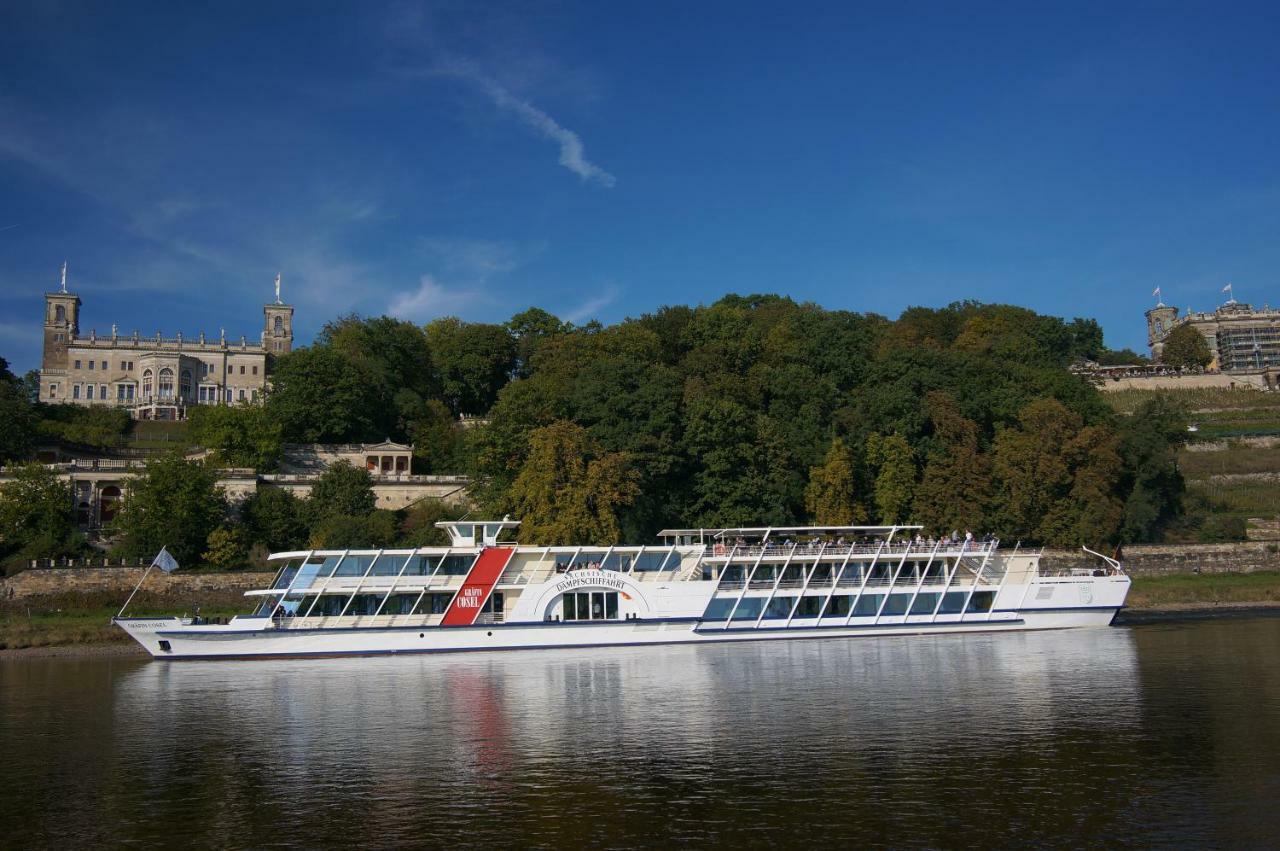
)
(809, 607)
(749, 609)
(924, 604)
(981, 601)
(779, 608)
(718, 609)
(838, 607)
(868, 604)
(354, 565)
(457, 565)
(952, 603)
(897, 604)
(590, 605)
(399, 604)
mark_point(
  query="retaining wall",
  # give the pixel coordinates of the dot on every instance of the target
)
(1164, 559)
(33, 583)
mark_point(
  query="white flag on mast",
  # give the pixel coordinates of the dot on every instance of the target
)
(1227, 288)
(164, 561)
(1156, 292)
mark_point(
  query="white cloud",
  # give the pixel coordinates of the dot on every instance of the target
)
(572, 154)
(589, 309)
(433, 299)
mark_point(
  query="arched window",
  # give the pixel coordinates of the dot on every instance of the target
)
(166, 383)
(60, 314)
(146, 383)
(186, 384)
(279, 325)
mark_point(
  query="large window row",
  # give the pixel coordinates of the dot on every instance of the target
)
(838, 606)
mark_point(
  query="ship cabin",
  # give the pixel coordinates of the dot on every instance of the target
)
(821, 574)
(737, 576)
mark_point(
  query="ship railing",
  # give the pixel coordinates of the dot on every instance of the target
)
(771, 550)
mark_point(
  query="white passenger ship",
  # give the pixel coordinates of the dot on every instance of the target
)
(745, 584)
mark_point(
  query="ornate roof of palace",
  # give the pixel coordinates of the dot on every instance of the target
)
(767, 531)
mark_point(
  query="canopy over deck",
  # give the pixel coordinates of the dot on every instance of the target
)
(462, 533)
(764, 532)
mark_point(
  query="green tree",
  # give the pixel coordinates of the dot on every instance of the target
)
(226, 548)
(17, 417)
(530, 329)
(1032, 474)
(343, 489)
(831, 497)
(239, 436)
(954, 490)
(94, 426)
(472, 362)
(1185, 347)
(322, 395)
(436, 437)
(394, 351)
(173, 503)
(274, 518)
(569, 491)
(37, 518)
(418, 528)
(344, 531)
(894, 464)
(1152, 484)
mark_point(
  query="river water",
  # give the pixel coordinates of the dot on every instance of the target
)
(1158, 734)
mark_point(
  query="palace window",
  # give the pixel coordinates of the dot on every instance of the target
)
(59, 314)
(88, 392)
(53, 391)
(91, 364)
(228, 394)
(102, 392)
(75, 391)
(166, 383)
(255, 370)
(186, 384)
(77, 364)
(278, 326)
(591, 606)
(242, 369)
(104, 366)
(241, 394)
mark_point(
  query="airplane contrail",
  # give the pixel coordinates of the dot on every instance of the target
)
(7, 227)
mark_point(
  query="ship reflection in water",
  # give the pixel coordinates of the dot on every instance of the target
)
(1167, 733)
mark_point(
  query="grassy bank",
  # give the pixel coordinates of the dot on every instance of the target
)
(1205, 589)
(73, 619)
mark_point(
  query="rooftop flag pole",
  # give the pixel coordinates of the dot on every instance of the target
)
(278, 289)
(164, 561)
(64, 276)
(1159, 300)
(1231, 296)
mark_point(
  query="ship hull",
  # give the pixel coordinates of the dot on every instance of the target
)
(176, 640)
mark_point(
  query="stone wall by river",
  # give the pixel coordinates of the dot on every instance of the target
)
(1165, 559)
(1151, 560)
(41, 582)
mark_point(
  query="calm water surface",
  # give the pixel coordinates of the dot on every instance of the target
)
(1161, 734)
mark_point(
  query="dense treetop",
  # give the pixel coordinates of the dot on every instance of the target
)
(753, 410)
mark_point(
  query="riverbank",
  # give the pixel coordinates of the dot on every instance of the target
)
(75, 624)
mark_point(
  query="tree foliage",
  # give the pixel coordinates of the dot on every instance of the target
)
(831, 497)
(237, 436)
(1185, 347)
(342, 490)
(172, 503)
(37, 518)
(569, 490)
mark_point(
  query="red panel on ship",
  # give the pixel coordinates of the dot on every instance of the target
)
(478, 586)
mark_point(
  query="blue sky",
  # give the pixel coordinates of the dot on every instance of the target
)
(600, 160)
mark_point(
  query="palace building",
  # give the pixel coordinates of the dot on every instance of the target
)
(155, 377)
(1240, 338)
